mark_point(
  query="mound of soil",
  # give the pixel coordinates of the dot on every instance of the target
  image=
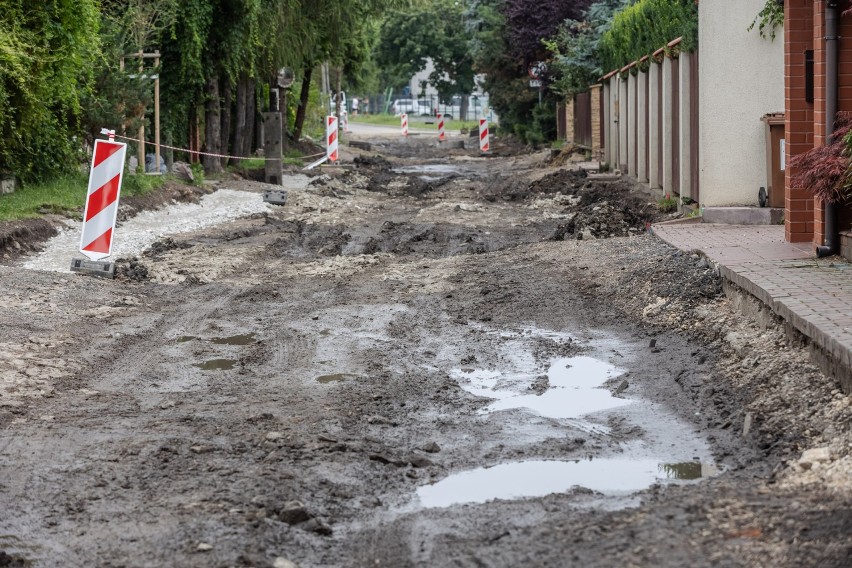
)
(18, 238)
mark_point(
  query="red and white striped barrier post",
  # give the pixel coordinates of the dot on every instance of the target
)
(102, 199)
(484, 144)
(331, 140)
(404, 120)
(442, 135)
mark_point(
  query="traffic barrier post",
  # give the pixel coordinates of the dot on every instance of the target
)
(484, 143)
(331, 140)
(102, 198)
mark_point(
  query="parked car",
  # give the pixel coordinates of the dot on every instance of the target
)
(410, 106)
(476, 105)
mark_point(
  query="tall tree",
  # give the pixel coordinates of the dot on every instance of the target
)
(411, 38)
(528, 22)
(46, 50)
(575, 61)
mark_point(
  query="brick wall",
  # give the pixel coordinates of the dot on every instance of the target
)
(804, 28)
(799, 122)
(597, 119)
(569, 120)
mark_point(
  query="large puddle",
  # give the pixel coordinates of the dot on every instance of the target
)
(573, 388)
(137, 234)
(629, 443)
(611, 477)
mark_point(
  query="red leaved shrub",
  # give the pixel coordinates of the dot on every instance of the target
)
(824, 171)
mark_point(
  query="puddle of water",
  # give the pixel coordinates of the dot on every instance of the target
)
(573, 390)
(428, 168)
(687, 471)
(244, 339)
(216, 365)
(334, 378)
(520, 480)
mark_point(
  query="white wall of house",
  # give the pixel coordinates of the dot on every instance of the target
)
(741, 78)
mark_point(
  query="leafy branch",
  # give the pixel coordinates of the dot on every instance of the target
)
(770, 18)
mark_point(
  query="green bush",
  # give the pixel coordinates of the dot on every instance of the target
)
(668, 204)
(646, 26)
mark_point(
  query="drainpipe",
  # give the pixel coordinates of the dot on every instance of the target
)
(832, 15)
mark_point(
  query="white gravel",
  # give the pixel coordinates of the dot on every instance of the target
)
(135, 235)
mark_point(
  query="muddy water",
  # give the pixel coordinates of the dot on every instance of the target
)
(611, 477)
(574, 389)
(533, 399)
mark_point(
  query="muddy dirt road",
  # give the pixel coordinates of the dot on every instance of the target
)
(435, 359)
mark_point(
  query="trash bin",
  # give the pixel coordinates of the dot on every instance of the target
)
(773, 194)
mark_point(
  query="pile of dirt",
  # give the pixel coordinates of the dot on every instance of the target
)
(375, 162)
(18, 238)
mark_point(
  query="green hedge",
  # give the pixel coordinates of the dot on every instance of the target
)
(644, 27)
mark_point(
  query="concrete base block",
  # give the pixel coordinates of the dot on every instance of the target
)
(604, 177)
(275, 197)
(743, 215)
(846, 245)
(8, 183)
(98, 268)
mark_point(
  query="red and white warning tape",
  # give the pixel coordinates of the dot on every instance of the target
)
(203, 153)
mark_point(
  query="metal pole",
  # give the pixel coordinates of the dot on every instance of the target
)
(157, 112)
(140, 154)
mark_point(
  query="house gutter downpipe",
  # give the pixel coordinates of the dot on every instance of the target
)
(832, 15)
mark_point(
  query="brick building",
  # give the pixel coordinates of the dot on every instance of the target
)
(818, 83)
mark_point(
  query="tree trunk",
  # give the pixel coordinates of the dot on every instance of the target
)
(238, 143)
(212, 126)
(303, 104)
(251, 119)
(285, 120)
(227, 99)
(337, 107)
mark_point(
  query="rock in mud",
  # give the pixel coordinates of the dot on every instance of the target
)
(318, 527)
(431, 447)
(294, 512)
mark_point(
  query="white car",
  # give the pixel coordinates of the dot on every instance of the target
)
(476, 106)
(410, 106)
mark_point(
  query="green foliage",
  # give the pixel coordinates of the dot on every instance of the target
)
(430, 31)
(644, 27)
(64, 195)
(116, 101)
(506, 80)
(667, 204)
(770, 18)
(45, 54)
(140, 184)
(197, 175)
(574, 49)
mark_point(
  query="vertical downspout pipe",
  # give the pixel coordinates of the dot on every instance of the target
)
(832, 15)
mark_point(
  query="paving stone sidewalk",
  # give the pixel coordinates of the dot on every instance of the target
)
(813, 295)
